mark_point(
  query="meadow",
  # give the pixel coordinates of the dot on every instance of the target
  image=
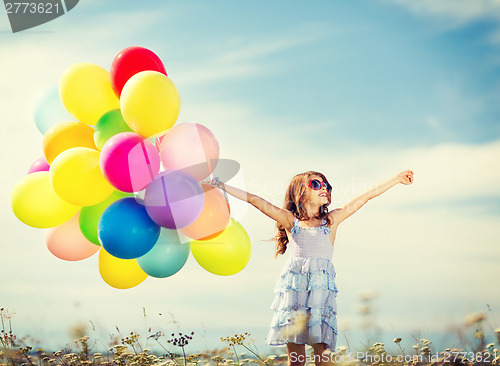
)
(480, 346)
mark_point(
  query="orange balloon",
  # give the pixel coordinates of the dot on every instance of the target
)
(214, 217)
(67, 242)
(64, 136)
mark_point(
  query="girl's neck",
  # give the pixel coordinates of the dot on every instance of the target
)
(312, 210)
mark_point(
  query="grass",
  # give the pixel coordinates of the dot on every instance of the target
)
(238, 350)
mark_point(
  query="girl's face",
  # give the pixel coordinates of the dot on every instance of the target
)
(319, 196)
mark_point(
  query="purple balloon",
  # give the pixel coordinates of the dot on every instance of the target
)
(40, 165)
(174, 199)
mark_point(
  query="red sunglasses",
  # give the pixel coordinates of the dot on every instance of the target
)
(317, 184)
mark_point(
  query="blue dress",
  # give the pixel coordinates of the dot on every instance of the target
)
(305, 307)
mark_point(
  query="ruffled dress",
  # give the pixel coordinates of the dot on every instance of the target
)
(305, 306)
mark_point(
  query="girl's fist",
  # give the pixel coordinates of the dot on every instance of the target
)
(406, 177)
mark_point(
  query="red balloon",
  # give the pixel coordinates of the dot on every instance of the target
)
(129, 62)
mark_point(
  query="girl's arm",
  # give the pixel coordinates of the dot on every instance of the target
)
(337, 216)
(280, 215)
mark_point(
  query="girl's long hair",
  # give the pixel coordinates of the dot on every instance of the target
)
(294, 202)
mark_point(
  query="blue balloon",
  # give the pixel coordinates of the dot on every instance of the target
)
(125, 229)
(167, 257)
(50, 111)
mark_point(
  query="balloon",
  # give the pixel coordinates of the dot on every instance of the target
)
(174, 199)
(150, 103)
(77, 178)
(125, 229)
(35, 203)
(40, 165)
(192, 147)
(90, 215)
(67, 242)
(120, 273)
(226, 254)
(167, 257)
(129, 161)
(86, 92)
(50, 110)
(66, 135)
(213, 219)
(110, 124)
(129, 62)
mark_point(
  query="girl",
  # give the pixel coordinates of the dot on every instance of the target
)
(305, 310)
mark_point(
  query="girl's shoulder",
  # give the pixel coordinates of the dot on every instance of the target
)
(332, 216)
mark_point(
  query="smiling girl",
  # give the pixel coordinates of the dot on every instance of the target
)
(305, 308)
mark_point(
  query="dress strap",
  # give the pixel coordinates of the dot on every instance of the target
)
(323, 227)
(296, 227)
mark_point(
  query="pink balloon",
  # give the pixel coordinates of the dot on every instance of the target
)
(129, 161)
(67, 242)
(40, 165)
(190, 147)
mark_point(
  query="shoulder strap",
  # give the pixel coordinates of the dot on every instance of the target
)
(296, 227)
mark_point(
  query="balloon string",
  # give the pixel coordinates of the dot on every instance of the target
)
(163, 185)
(145, 152)
(157, 143)
(151, 173)
(212, 177)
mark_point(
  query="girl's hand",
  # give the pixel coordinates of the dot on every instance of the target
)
(339, 215)
(405, 177)
(213, 182)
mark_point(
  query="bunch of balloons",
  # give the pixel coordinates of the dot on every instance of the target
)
(121, 178)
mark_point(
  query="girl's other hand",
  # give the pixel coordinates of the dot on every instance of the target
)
(213, 182)
(405, 177)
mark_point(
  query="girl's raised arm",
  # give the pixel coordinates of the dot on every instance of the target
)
(339, 215)
(280, 215)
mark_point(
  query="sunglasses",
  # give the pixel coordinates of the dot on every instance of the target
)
(317, 184)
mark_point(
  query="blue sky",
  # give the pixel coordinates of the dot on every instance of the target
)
(357, 90)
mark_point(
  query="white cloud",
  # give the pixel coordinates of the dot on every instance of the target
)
(459, 11)
(238, 58)
(452, 14)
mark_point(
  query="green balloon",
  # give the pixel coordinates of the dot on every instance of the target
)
(167, 257)
(110, 124)
(90, 215)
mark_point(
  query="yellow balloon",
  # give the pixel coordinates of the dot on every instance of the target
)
(86, 92)
(225, 254)
(35, 203)
(120, 273)
(64, 136)
(76, 177)
(150, 103)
